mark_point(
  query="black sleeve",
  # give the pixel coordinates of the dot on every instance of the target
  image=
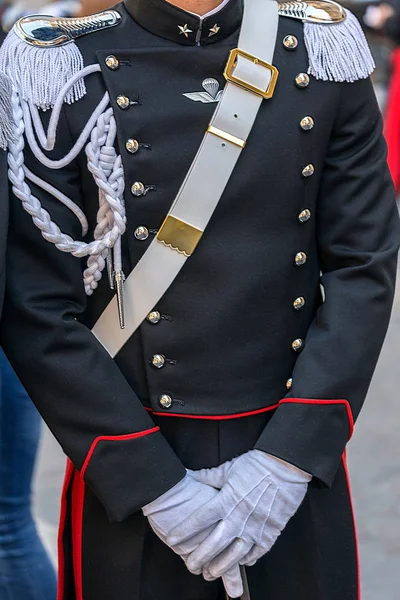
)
(358, 238)
(84, 398)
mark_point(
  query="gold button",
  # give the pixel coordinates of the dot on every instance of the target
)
(138, 188)
(158, 361)
(297, 345)
(299, 303)
(112, 62)
(141, 233)
(154, 317)
(302, 80)
(132, 146)
(307, 123)
(289, 384)
(300, 258)
(290, 42)
(123, 101)
(165, 401)
(305, 215)
(308, 170)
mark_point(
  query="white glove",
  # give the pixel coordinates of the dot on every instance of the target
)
(176, 505)
(258, 495)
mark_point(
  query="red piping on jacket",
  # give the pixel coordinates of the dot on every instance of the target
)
(315, 401)
(354, 524)
(259, 411)
(213, 417)
(78, 501)
(63, 515)
(113, 438)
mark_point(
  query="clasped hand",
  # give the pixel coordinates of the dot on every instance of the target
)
(217, 519)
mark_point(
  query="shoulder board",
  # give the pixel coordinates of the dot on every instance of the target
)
(41, 56)
(323, 12)
(336, 45)
(49, 32)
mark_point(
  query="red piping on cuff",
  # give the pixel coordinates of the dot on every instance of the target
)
(315, 401)
(213, 417)
(113, 438)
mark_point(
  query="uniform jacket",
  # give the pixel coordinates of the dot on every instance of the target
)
(278, 316)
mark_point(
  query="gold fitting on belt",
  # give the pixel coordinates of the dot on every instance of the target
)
(228, 73)
(226, 136)
(179, 235)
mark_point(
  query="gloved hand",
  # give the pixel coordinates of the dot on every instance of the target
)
(173, 507)
(258, 495)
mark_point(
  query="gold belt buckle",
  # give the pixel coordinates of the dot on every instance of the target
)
(228, 74)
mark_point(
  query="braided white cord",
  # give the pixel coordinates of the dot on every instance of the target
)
(106, 168)
(79, 144)
(41, 217)
(47, 187)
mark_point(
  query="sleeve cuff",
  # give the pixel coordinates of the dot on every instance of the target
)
(311, 434)
(128, 471)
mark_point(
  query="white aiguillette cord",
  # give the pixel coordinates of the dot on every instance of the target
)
(250, 79)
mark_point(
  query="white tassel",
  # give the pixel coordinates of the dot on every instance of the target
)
(7, 128)
(338, 52)
(40, 73)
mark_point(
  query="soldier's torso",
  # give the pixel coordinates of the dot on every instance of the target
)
(228, 321)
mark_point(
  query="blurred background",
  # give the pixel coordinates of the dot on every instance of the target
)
(374, 452)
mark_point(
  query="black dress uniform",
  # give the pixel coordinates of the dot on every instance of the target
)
(246, 349)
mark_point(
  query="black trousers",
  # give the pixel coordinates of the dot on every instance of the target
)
(315, 558)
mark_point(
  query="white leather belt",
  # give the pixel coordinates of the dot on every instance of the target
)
(250, 79)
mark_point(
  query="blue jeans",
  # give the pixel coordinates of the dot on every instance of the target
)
(25, 569)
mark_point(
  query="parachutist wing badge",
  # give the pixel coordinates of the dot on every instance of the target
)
(211, 92)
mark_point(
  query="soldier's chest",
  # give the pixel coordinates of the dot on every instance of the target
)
(163, 99)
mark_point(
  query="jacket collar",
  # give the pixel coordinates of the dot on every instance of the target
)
(177, 25)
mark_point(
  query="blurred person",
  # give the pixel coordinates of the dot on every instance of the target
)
(385, 18)
(26, 572)
(206, 400)
(89, 7)
(13, 11)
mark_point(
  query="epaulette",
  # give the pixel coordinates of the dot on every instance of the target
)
(336, 44)
(322, 12)
(40, 55)
(7, 128)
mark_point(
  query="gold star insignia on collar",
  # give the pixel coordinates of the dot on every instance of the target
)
(184, 29)
(214, 30)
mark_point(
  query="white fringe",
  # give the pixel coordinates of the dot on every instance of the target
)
(7, 128)
(40, 73)
(338, 52)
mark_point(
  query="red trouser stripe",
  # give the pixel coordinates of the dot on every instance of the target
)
(78, 500)
(63, 515)
(346, 470)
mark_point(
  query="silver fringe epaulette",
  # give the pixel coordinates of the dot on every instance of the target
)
(49, 32)
(324, 12)
(40, 55)
(336, 45)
